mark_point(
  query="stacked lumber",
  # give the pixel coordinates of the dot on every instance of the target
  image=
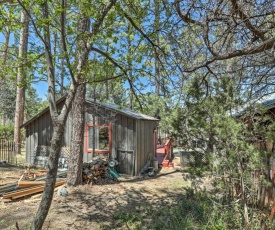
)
(28, 184)
(29, 189)
(97, 172)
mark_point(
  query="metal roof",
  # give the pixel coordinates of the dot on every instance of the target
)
(124, 111)
(268, 102)
(113, 107)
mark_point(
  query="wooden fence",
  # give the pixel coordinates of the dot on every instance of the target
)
(7, 151)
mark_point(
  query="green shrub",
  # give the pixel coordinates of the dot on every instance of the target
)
(6, 132)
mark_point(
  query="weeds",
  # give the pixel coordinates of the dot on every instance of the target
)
(191, 211)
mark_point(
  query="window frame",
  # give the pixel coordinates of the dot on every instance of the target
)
(88, 150)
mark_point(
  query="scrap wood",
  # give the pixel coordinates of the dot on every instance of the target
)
(59, 174)
(7, 188)
(5, 200)
(28, 191)
(27, 184)
(32, 175)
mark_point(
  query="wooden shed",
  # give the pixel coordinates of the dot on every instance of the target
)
(112, 131)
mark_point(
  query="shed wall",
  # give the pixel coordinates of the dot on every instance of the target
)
(132, 139)
(39, 133)
(145, 141)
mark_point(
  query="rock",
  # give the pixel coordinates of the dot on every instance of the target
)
(62, 191)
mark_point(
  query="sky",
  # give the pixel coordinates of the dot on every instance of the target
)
(41, 89)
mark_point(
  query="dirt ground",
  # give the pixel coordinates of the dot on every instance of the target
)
(110, 206)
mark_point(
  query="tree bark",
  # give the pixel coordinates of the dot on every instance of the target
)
(47, 196)
(20, 89)
(55, 147)
(59, 121)
(74, 176)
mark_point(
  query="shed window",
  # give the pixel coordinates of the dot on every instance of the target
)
(100, 135)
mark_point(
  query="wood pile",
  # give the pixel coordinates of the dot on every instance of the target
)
(30, 183)
(97, 172)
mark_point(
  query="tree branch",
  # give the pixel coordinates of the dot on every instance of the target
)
(98, 23)
(33, 23)
(6, 1)
(109, 58)
(184, 17)
(63, 39)
(246, 21)
(264, 46)
(141, 32)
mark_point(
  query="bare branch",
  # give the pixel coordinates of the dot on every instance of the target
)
(264, 46)
(184, 17)
(247, 22)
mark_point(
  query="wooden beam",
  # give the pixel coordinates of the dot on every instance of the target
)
(28, 191)
(27, 184)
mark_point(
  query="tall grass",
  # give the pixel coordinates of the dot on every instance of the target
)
(191, 211)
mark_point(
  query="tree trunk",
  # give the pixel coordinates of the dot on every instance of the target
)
(47, 196)
(20, 89)
(74, 176)
(59, 122)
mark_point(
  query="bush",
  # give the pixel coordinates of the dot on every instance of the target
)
(6, 132)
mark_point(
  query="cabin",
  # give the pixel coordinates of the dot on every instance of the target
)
(110, 131)
(264, 118)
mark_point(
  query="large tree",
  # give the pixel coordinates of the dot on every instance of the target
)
(229, 47)
(21, 82)
(231, 29)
